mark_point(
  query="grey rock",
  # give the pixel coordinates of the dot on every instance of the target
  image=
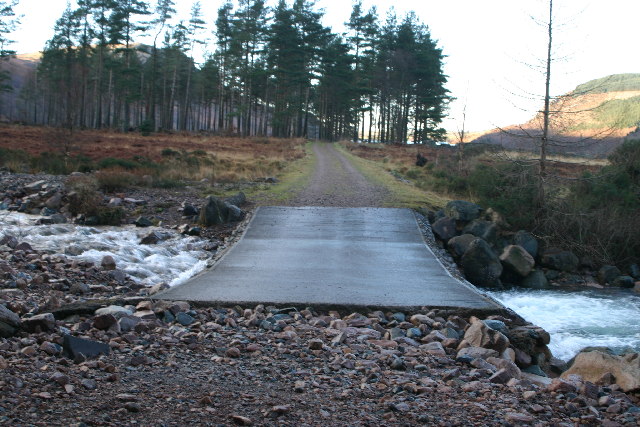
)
(184, 319)
(560, 260)
(481, 265)
(9, 322)
(535, 280)
(624, 282)
(463, 211)
(486, 230)
(108, 262)
(607, 274)
(235, 213)
(458, 245)
(214, 212)
(444, 229)
(152, 238)
(634, 271)
(237, 200)
(114, 310)
(535, 370)
(142, 221)
(527, 241)
(497, 325)
(104, 321)
(79, 288)
(74, 347)
(518, 260)
(41, 322)
(470, 353)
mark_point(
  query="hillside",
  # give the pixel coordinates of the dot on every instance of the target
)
(20, 68)
(589, 121)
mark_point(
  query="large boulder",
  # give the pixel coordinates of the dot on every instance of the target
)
(593, 365)
(557, 259)
(9, 322)
(462, 211)
(486, 230)
(237, 200)
(481, 265)
(518, 260)
(458, 245)
(527, 241)
(216, 211)
(607, 274)
(481, 335)
(535, 280)
(444, 228)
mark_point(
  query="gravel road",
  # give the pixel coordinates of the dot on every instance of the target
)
(337, 183)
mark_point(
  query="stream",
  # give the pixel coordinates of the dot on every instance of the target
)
(580, 318)
(173, 260)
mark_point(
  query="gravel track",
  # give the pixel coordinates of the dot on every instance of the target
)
(337, 183)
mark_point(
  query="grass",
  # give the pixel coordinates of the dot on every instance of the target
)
(403, 194)
(290, 181)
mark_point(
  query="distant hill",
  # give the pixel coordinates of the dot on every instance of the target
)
(590, 121)
(20, 68)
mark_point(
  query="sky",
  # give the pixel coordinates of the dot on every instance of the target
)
(494, 49)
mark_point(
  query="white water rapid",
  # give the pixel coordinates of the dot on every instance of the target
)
(578, 319)
(173, 260)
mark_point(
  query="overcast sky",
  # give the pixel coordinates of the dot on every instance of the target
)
(493, 47)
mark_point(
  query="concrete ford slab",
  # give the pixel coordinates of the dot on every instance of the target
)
(319, 256)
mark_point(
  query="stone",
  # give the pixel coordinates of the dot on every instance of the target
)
(189, 210)
(114, 310)
(527, 241)
(74, 346)
(462, 211)
(235, 213)
(627, 282)
(79, 288)
(480, 335)
(108, 263)
(104, 321)
(481, 265)
(315, 345)
(518, 260)
(89, 384)
(458, 245)
(518, 418)
(470, 353)
(44, 322)
(500, 377)
(184, 319)
(232, 352)
(512, 370)
(593, 365)
(143, 222)
(54, 202)
(23, 246)
(434, 348)
(214, 212)
(535, 280)
(158, 288)
(557, 259)
(152, 238)
(237, 199)
(9, 322)
(607, 274)
(634, 271)
(444, 229)
(485, 230)
(50, 348)
(535, 370)
(497, 325)
(9, 241)
(128, 323)
(241, 421)
(59, 378)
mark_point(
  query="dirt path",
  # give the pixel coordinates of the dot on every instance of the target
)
(337, 183)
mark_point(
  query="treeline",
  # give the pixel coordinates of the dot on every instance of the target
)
(276, 71)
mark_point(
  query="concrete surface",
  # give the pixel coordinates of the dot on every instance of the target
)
(322, 256)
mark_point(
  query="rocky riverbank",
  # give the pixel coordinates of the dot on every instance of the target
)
(83, 345)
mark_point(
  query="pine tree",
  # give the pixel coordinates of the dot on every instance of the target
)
(8, 22)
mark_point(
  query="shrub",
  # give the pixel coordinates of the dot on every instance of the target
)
(108, 215)
(110, 162)
(168, 152)
(115, 180)
(84, 197)
(146, 127)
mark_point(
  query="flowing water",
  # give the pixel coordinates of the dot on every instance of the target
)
(173, 260)
(578, 319)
